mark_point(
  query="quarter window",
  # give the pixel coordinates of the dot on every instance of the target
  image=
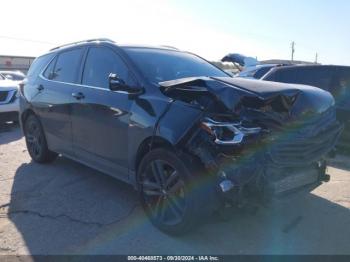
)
(100, 63)
(38, 65)
(49, 72)
(67, 66)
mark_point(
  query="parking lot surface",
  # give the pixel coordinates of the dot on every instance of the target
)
(67, 208)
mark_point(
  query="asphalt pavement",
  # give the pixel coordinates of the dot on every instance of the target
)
(67, 208)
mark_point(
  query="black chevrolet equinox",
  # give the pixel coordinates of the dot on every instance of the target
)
(191, 139)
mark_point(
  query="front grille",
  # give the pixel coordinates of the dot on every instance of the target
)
(3, 95)
(308, 143)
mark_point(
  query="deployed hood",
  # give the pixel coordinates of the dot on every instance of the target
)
(234, 93)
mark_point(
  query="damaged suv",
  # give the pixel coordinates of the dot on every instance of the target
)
(187, 136)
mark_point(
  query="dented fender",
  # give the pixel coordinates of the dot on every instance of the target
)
(178, 121)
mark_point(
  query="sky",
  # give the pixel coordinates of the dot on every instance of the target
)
(262, 29)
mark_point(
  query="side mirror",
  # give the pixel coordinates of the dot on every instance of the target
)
(118, 84)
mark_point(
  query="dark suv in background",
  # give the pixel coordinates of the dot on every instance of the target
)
(187, 136)
(332, 78)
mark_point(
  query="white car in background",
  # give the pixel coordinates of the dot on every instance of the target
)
(16, 76)
(9, 103)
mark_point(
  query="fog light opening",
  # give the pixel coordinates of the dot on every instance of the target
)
(226, 185)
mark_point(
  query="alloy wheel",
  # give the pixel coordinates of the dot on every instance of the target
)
(163, 192)
(34, 138)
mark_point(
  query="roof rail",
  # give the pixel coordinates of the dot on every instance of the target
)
(83, 41)
(170, 47)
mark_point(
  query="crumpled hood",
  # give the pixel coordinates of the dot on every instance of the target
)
(7, 85)
(235, 92)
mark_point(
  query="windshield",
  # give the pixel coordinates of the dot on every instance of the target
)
(159, 65)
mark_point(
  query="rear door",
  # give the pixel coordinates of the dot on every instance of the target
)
(56, 86)
(100, 122)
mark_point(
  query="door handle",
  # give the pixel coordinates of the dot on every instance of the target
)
(78, 95)
(40, 87)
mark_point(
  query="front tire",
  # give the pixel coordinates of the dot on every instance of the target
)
(167, 193)
(36, 141)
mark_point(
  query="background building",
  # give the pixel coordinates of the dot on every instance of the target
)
(21, 63)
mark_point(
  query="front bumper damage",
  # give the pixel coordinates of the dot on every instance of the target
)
(269, 165)
(258, 142)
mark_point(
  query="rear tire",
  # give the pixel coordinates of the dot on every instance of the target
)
(166, 192)
(36, 141)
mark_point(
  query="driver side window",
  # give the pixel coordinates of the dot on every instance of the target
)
(100, 63)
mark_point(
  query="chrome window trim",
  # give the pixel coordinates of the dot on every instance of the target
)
(74, 84)
(41, 75)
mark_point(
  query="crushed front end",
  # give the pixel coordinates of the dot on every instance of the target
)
(255, 139)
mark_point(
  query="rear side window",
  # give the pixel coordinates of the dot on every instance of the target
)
(315, 76)
(38, 65)
(100, 63)
(261, 72)
(319, 76)
(67, 66)
(288, 76)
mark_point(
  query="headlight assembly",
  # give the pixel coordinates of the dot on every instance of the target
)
(227, 133)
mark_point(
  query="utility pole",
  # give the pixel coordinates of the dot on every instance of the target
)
(316, 58)
(293, 50)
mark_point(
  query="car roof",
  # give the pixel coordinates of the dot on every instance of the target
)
(292, 67)
(309, 66)
(163, 47)
(108, 41)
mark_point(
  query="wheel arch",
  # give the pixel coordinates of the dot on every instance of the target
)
(25, 115)
(149, 144)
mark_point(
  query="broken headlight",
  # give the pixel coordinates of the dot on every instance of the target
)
(227, 133)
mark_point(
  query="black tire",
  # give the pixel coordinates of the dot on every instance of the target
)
(36, 141)
(166, 194)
